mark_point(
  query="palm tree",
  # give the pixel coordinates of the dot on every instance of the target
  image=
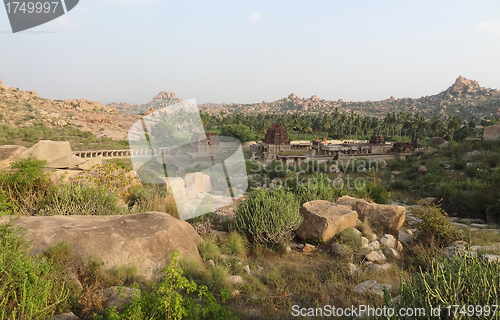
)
(343, 119)
(357, 125)
(436, 125)
(336, 118)
(325, 122)
(454, 125)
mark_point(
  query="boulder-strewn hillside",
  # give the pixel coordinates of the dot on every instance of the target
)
(465, 98)
(161, 100)
(28, 109)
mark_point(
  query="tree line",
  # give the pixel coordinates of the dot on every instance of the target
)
(343, 125)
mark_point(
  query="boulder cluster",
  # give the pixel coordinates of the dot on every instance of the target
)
(57, 154)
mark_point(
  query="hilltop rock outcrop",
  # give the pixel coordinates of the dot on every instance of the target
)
(463, 85)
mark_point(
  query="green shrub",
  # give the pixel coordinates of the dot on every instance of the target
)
(434, 227)
(399, 185)
(112, 178)
(25, 187)
(461, 281)
(235, 245)
(217, 279)
(275, 169)
(173, 298)
(350, 238)
(467, 196)
(28, 285)
(6, 205)
(73, 199)
(319, 188)
(268, 217)
(209, 250)
(397, 165)
(376, 192)
(492, 159)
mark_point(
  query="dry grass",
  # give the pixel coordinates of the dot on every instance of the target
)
(157, 202)
(482, 237)
(308, 280)
(366, 229)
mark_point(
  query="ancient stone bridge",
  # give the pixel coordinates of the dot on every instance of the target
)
(123, 153)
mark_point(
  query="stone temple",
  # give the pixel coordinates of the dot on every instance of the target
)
(208, 142)
(277, 146)
(275, 141)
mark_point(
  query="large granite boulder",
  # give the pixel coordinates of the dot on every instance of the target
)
(492, 133)
(57, 154)
(323, 219)
(390, 217)
(177, 185)
(198, 182)
(440, 142)
(118, 296)
(10, 153)
(143, 240)
(63, 176)
(65, 162)
(89, 163)
(65, 316)
(347, 201)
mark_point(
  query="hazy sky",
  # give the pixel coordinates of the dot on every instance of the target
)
(235, 51)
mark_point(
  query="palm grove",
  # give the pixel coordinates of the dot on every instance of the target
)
(340, 125)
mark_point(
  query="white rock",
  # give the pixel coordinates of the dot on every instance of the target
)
(210, 263)
(338, 248)
(404, 237)
(391, 253)
(247, 269)
(353, 269)
(373, 256)
(374, 245)
(399, 246)
(378, 267)
(236, 280)
(362, 287)
(364, 242)
(491, 258)
(381, 254)
(388, 240)
(356, 231)
(378, 288)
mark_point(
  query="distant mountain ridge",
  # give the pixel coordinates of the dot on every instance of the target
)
(464, 97)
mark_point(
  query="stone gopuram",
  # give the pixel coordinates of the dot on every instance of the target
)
(275, 141)
(377, 139)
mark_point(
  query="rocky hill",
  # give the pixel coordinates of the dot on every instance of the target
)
(465, 98)
(161, 100)
(27, 109)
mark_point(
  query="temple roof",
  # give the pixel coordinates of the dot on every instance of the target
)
(277, 134)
